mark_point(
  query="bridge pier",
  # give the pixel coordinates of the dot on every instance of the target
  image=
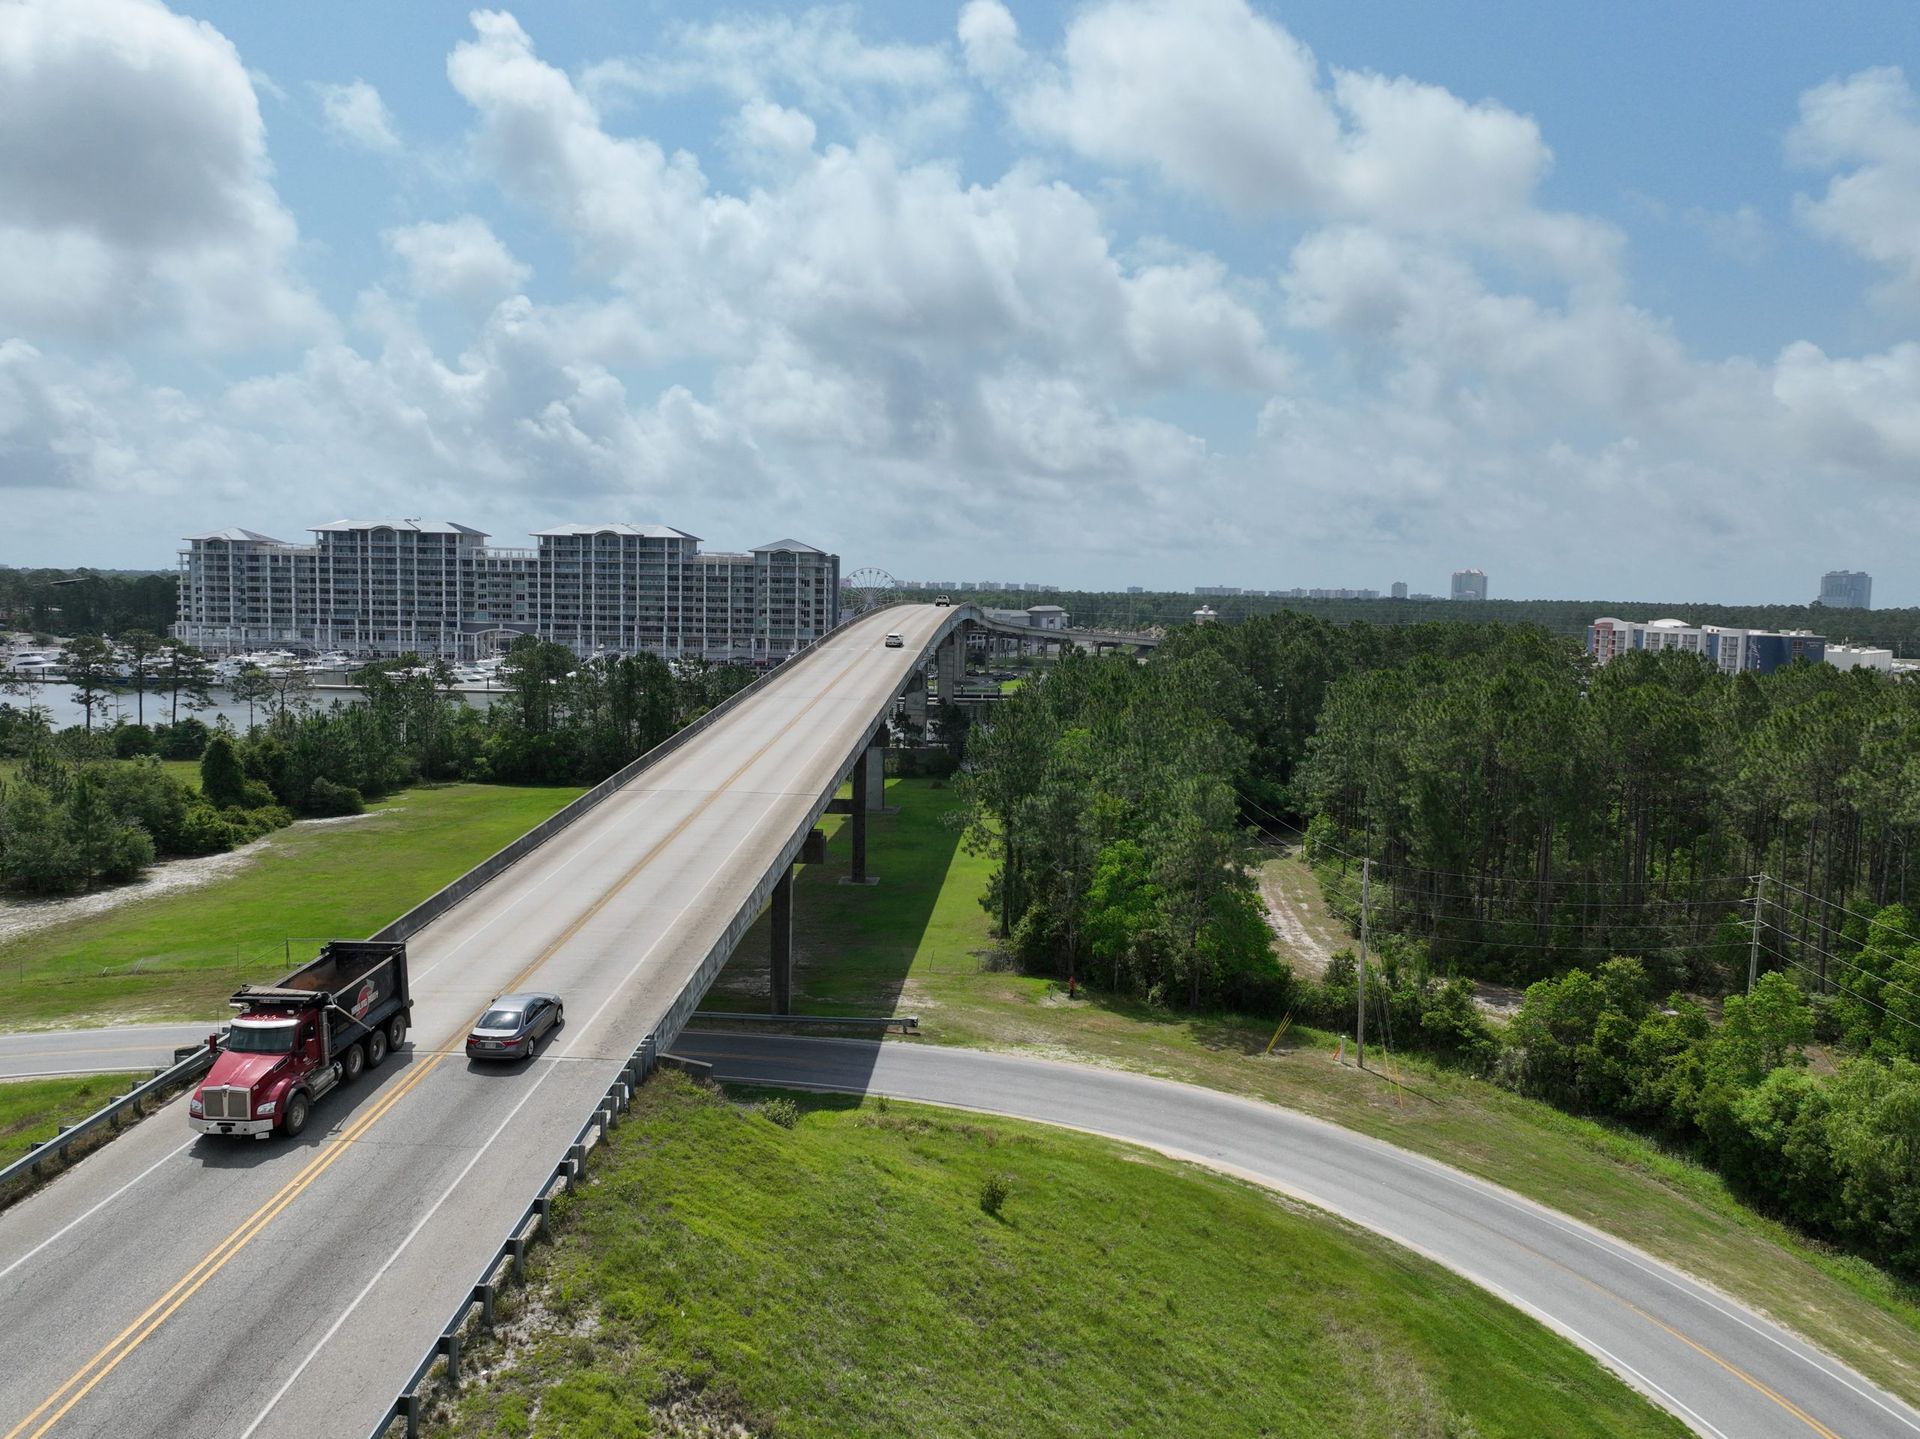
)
(865, 800)
(780, 970)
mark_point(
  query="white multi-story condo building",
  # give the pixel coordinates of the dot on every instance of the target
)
(392, 586)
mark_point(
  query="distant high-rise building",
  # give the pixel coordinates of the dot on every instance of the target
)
(1135, 590)
(1399, 590)
(1469, 584)
(1846, 590)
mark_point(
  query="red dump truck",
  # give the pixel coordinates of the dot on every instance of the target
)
(338, 1014)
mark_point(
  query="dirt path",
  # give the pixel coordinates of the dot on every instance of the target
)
(1308, 935)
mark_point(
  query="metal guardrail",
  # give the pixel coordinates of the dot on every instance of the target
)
(431, 908)
(108, 1117)
(534, 1221)
(909, 1023)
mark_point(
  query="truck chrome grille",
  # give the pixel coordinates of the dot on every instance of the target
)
(224, 1103)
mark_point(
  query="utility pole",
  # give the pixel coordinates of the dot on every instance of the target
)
(1366, 897)
(1753, 954)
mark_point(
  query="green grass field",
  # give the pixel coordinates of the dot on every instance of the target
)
(842, 1278)
(919, 942)
(178, 955)
(32, 1110)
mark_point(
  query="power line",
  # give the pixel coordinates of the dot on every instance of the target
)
(1858, 969)
(1797, 964)
(1835, 904)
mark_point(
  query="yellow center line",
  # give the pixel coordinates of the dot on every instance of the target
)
(106, 1360)
(1734, 1369)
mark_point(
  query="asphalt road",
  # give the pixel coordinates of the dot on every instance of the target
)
(174, 1285)
(46, 1053)
(1719, 1366)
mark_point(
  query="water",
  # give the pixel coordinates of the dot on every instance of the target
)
(64, 710)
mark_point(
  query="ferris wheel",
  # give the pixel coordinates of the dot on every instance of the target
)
(868, 588)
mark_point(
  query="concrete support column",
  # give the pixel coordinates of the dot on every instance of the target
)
(950, 663)
(780, 970)
(869, 786)
(858, 822)
(916, 701)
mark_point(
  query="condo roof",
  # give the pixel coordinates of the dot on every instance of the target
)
(236, 534)
(618, 527)
(796, 546)
(419, 527)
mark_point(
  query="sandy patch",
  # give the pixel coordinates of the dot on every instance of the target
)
(1308, 949)
(24, 916)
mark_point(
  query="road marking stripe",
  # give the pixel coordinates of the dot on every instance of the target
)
(217, 1258)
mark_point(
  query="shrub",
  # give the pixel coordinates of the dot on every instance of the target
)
(331, 800)
(131, 740)
(782, 1111)
(994, 1190)
(222, 780)
(184, 739)
(203, 831)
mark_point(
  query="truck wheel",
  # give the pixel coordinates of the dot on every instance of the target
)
(295, 1118)
(351, 1063)
(396, 1031)
(376, 1048)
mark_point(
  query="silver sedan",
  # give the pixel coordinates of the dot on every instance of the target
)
(513, 1024)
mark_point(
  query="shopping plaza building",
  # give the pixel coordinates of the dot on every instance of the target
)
(386, 587)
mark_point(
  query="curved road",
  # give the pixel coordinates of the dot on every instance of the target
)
(173, 1285)
(1722, 1368)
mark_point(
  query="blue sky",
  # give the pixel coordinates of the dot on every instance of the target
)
(1612, 302)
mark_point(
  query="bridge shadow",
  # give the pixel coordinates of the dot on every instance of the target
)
(854, 946)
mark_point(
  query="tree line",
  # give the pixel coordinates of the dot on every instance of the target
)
(1895, 629)
(86, 601)
(1525, 816)
(1106, 795)
(89, 806)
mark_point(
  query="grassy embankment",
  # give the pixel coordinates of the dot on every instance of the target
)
(32, 1110)
(178, 955)
(842, 1278)
(919, 942)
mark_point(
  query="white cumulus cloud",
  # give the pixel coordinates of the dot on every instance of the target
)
(356, 114)
(460, 259)
(134, 180)
(1869, 126)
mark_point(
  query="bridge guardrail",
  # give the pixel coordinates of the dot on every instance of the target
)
(534, 1221)
(435, 905)
(107, 1116)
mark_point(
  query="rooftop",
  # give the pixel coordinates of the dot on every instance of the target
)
(617, 527)
(418, 527)
(236, 536)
